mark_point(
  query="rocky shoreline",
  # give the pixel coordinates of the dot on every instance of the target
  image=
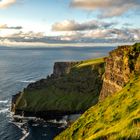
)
(46, 115)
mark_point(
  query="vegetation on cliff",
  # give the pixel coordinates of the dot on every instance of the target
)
(118, 115)
(75, 90)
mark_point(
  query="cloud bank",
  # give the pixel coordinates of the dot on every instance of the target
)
(111, 35)
(107, 8)
(5, 26)
(6, 3)
(71, 25)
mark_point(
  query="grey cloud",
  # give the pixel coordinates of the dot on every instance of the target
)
(115, 34)
(111, 35)
(17, 27)
(107, 8)
(5, 26)
(127, 24)
(71, 25)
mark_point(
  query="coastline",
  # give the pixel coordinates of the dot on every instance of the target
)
(124, 61)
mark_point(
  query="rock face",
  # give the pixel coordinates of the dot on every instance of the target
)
(14, 99)
(120, 66)
(62, 68)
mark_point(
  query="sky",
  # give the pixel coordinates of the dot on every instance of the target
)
(68, 22)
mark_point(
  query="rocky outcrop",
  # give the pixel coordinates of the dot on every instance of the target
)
(59, 70)
(62, 68)
(14, 100)
(121, 64)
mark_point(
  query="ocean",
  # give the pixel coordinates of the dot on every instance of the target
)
(21, 66)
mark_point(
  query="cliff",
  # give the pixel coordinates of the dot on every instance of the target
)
(62, 68)
(120, 67)
(72, 88)
(117, 115)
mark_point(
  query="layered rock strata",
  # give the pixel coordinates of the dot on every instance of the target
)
(120, 66)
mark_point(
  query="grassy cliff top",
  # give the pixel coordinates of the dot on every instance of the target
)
(118, 117)
(90, 62)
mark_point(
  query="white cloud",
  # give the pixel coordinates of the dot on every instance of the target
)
(6, 3)
(107, 8)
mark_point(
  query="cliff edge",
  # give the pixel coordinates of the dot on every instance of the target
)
(121, 64)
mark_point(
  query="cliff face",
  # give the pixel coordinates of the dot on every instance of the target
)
(72, 88)
(14, 99)
(62, 68)
(120, 66)
(116, 117)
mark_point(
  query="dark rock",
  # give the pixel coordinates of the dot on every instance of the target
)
(14, 99)
(46, 115)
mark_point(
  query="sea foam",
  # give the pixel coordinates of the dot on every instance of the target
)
(5, 110)
(3, 101)
(27, 81)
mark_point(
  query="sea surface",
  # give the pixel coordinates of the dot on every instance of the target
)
(21, 66)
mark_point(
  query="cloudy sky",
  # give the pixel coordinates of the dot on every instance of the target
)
(68, 22)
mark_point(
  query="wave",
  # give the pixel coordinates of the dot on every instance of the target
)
(58, 122)
(4, 101)
(27, 81)
(25, 136)
(36, 124)
(25, 118)
(5, 110)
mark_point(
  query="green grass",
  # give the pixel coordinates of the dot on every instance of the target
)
(90, 62)
(75, 91)
(116, 118)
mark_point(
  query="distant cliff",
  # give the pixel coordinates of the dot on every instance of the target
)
(62, 68)
(72, 88)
